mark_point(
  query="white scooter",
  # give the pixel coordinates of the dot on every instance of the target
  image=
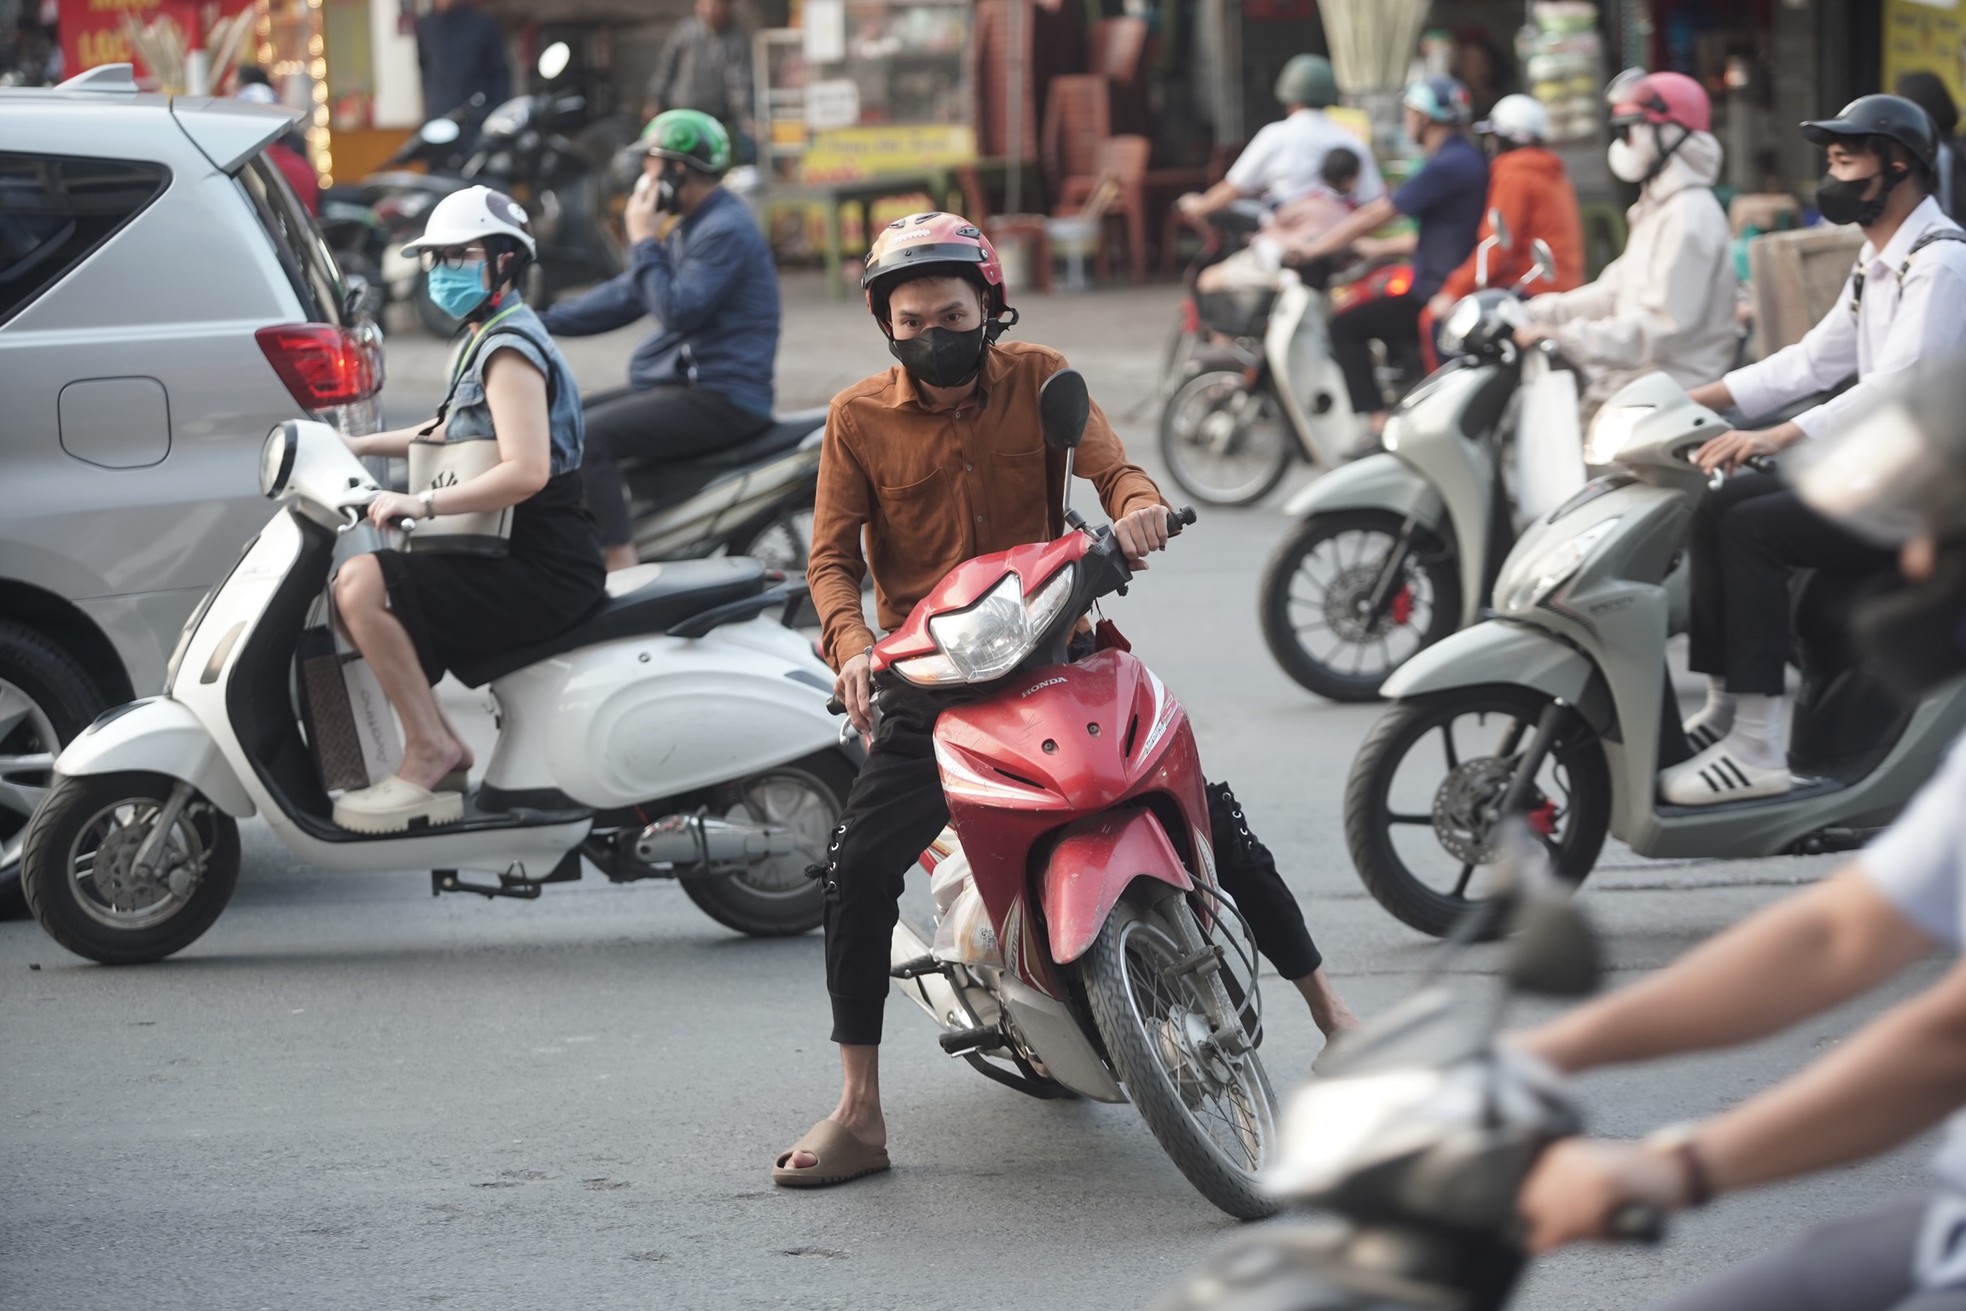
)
(674, 732)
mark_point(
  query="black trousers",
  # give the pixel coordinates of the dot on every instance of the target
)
(896, 809)
(1394, 320)
(1746, 538)
(666, 424)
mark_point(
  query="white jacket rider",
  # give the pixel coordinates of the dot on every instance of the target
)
(1668, 302)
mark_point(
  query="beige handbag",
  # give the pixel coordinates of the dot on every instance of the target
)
(437, 465)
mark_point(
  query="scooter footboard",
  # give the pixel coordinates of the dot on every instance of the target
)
(1091, 868)
(157, 736)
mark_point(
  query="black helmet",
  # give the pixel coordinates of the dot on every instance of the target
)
(1881, 116)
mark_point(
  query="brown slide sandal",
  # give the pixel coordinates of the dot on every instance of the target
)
(842, 1158)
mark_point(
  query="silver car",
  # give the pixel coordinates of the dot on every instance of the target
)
(165, 300)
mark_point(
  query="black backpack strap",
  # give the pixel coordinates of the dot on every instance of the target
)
(1857, 270)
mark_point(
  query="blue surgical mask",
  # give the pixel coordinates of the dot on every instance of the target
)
(458, 291)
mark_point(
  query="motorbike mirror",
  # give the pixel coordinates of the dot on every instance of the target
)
(553, 60)
(1481, 259)
(440, 131)
(1064, 405)
(1554, 953)
(1542, 265)
(1500, 227)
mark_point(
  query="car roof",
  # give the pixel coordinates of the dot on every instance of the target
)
(106, 116)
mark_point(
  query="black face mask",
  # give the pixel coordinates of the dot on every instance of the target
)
(1914, 635)
(1843, 201)
(941, 357)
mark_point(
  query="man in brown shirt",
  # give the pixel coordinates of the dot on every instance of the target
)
(935, 462)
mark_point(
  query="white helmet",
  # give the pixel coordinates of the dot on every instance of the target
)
(472, 215)
(1518, 118)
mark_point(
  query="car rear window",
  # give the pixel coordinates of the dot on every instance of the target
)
(310, 266)
(55, 211)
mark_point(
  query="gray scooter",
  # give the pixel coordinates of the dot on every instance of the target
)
(1561, 706)
(1395, 551)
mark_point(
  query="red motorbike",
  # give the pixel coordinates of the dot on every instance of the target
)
(1081, 944)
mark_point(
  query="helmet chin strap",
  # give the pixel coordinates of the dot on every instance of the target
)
(1663, 151)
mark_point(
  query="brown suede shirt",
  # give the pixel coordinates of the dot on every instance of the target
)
(933, 488)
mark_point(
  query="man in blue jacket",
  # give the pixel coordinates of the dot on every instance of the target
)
(703, 380)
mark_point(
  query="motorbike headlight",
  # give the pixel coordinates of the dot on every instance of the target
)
(1463, 319)
(276, 461)
(1528, 586)
(1611, 431)
(1332, 1122)
(988, 639)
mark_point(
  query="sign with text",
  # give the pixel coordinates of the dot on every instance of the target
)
(1926, 35)
(92, 30)
(855, 153)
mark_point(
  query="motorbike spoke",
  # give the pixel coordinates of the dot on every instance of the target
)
(1447, 745)
(1395, 817)
(1461, 884)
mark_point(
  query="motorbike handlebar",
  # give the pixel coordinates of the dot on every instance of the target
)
(1179, 519)
(834, 706)
(1637, 1222)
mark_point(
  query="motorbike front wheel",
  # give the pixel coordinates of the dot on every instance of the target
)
(1316, 602)
(1202, 1093)
(776, 898)
(1224, 443)
(83, 881)
(1424, 799)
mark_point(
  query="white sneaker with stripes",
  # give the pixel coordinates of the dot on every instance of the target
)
(1717, 775)
(1708, 727)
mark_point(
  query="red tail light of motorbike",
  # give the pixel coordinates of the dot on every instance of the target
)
(1399, 284)
(323, 366)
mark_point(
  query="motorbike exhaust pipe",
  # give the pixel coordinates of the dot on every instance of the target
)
(692, 841)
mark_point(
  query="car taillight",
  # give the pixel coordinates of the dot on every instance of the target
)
(322, 365)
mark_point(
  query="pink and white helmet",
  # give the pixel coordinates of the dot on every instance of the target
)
(472, 215)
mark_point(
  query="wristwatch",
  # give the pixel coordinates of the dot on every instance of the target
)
(428, 500)
(1679, 1142)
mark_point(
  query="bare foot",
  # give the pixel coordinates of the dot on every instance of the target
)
(425, 764)
(1328, 1010)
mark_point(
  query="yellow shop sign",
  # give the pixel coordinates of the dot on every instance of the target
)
(851, 153)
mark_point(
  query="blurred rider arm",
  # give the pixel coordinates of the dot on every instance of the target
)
(616, 303)
(1247, 178)
(842, 506)
(1826, 355)
(1367, 218)
(1897, 1076)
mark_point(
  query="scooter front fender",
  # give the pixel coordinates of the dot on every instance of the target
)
(157, 736)
(1494, 652)
(1377, 482)
(1091, 868)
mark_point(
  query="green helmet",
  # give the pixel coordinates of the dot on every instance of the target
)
(1307, 80)
(691, 137)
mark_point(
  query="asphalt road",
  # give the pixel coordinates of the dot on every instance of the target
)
(350, 1094)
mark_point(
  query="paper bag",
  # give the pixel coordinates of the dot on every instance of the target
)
(350, 724)
(1549, 442)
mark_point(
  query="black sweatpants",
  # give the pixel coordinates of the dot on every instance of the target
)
(1746, 537)
(1394, 320)
(662, 423)
(896, 809)
(1863, 1263)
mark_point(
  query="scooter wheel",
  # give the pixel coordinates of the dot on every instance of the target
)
(1224, 444)
(1315, 602)
(1426, 790)
(78, 868)
(777, 898)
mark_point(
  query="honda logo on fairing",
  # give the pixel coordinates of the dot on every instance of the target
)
(1039, 687)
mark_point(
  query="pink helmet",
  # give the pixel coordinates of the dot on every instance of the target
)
(948, 243)
(1658, 98)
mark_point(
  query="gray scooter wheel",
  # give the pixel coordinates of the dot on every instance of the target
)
(1321, 579)
(777, 898)
(79, 868)
(1425, 792)
(1224, 444)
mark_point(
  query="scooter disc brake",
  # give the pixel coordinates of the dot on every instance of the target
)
(1345, 603)
(116, 877)
(1466, 806)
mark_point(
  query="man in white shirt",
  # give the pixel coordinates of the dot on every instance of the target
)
(1284, 159)
(1905, 301)
(1905, 896)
